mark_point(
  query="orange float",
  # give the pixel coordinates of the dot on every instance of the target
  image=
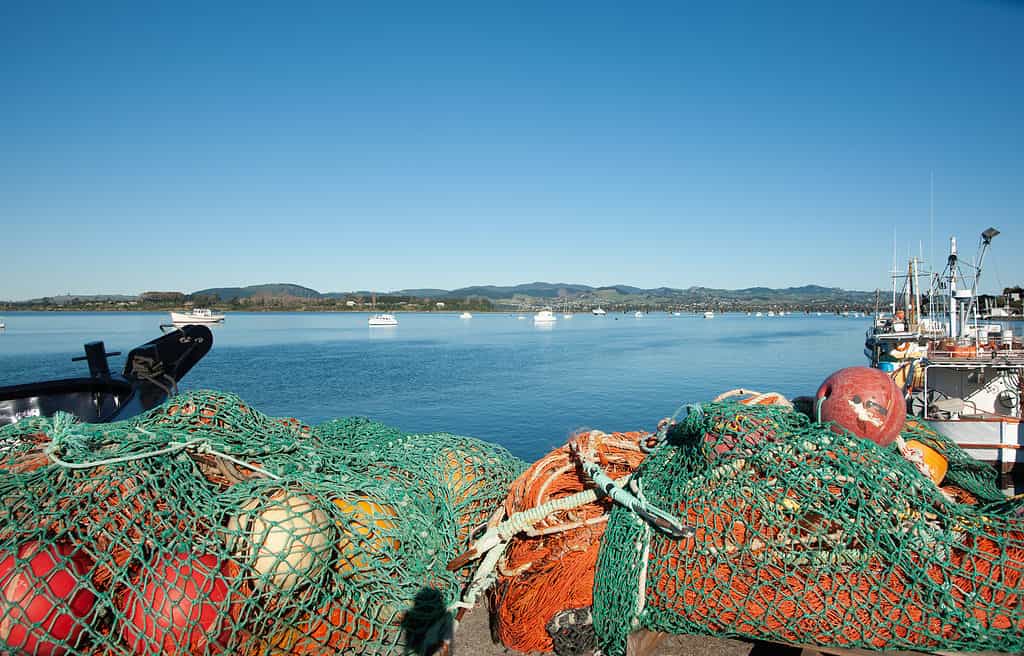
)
(182, 603)
(43, 606)
(935, 464)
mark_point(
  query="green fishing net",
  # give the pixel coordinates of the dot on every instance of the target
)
(207, 527)
(812, 536)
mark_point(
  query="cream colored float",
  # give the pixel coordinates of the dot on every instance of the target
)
(283, 538)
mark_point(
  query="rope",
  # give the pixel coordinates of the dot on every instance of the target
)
(199, 445)
(654, 516)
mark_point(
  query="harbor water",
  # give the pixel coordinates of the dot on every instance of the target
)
(495, 376)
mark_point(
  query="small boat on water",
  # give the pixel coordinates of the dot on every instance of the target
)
(639, 314)
(384, 319)
(545, 316)
(771, 313)
(758, 315)
(197, 317)
(598, 312)
(709, 315)
(151, 374)
(465, 315)
(961, 376)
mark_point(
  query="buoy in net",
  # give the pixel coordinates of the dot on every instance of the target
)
(865, 402)
(44, 605)
(283, 537)
(935, 464)
(368, 532)
(181, 603)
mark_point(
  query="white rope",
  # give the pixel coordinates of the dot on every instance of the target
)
(199, 445)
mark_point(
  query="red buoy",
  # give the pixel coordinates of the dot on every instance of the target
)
(865, 402)
(44, 605)
(181, 603)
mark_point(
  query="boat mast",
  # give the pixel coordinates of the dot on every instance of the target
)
(895, 272)
(953, 325)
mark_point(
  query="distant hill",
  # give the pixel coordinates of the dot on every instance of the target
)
(534, 294)
(533, 290)
(73, 299)
(276, 290)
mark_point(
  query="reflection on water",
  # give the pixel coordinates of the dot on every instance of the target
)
(382, 332)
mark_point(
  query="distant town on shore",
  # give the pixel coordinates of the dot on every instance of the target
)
(561, 296)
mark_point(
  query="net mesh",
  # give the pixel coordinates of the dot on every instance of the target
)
(809, 535)
(205, 526)
(550, 568)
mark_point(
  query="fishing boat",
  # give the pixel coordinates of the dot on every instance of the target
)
(198, 316)
(151, 373)
(964, 377)
(384, 319)
(598, 312)
(545, 316)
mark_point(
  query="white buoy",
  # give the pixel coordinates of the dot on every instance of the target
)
(282, 537)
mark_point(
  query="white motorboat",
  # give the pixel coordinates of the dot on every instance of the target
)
(639, 314)
(758, 315)
(709, 315)
(598, 312)
(198, 316)
(384, 319)
(465, 315)
(545, 316)
(771, 313)
(567, 315)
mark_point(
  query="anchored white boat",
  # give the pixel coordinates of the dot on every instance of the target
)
(709, 315)
(545, 316)
(465, 315)
(639, 314)
(598, 312)
(384, 319)
(197, 316)
(963, 377)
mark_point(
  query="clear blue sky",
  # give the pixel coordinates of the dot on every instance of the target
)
(176, 146)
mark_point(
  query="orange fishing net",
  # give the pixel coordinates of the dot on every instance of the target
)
(551, 568)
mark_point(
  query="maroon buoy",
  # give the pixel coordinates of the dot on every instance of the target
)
(865, 402)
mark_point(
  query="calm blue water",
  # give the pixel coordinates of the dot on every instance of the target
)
(492, 376)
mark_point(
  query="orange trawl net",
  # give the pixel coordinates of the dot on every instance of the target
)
(551, 568)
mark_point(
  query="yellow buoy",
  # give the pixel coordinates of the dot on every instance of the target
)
(934, 462)
(461, 474)
(368, 531)
(282, 537)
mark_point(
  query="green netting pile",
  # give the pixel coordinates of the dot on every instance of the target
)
(205, 526)
(809, 536)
